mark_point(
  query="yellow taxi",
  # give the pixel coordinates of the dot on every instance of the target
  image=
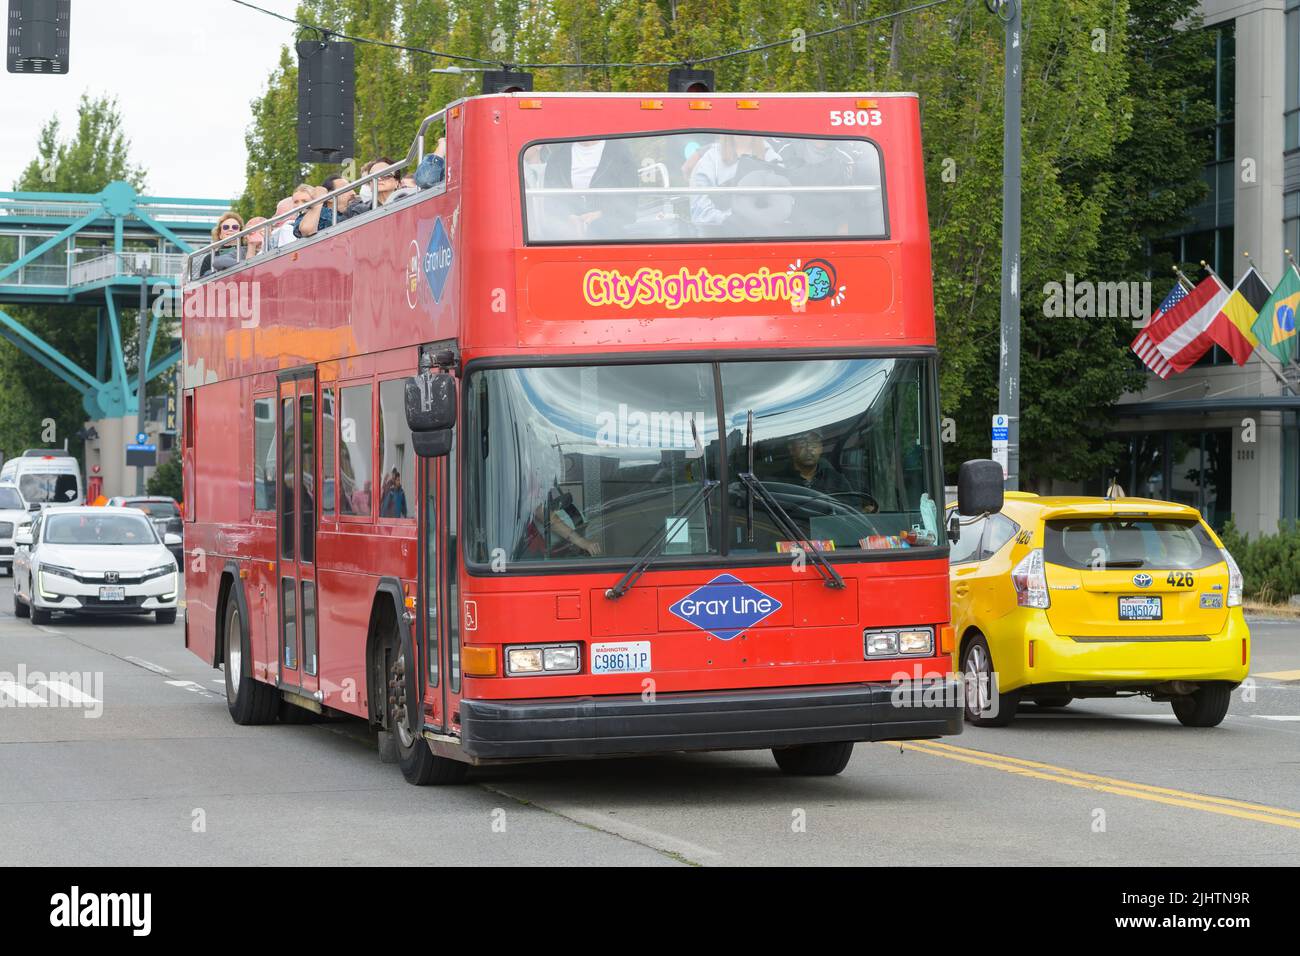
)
(1057, 598)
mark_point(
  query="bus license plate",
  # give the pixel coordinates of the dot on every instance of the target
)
(117, 593)
(620, 657)
(1140, 609)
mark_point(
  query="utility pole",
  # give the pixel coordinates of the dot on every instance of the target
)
(142, 269)
(1008, 11)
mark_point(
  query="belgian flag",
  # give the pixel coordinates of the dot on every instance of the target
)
(1232, 327)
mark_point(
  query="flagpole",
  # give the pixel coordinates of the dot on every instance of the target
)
(1278, 373)
(1187, 284)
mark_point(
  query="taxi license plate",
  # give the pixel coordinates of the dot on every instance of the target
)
(117, 593)
(1140, 609)
(620, 657)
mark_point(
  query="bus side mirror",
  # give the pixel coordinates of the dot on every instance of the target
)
(431, 413)
(979, 487)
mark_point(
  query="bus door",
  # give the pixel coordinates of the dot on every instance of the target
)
(444, 616)
(295, 533)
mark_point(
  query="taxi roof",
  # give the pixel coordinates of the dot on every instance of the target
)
(1062, 506)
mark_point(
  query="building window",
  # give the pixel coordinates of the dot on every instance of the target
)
(1189, 467)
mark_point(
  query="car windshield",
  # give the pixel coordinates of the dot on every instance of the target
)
(702, 185)
(98, 529)
(578, 463)
(10, 500)
(1152, 543)
(48, 488)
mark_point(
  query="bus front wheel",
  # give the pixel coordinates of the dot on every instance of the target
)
(814, 760)
(419, 764)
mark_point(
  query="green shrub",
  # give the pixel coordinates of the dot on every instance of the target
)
(166, 479)
(1270, 563)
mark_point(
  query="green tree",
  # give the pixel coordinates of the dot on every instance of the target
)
(166, 479)
(96, 154)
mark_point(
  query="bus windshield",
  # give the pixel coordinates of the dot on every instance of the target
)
(48, 488)
(579, 463)
(703, 186)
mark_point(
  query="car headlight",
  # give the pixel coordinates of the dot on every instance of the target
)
(60, 571)
(542, 659)
(162, 569)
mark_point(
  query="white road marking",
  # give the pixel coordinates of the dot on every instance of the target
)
(182, 683)
(1288, 717)
(49, 630)
(147, 665)
(20, 693)
(69, 693)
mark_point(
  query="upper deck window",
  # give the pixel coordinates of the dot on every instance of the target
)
(702, 186)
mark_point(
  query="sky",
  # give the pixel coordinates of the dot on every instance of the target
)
(183, 72)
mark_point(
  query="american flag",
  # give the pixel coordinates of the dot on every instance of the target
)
(1145, 348)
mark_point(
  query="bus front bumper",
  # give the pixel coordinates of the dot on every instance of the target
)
(750, 719)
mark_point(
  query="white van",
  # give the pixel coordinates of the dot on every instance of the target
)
(45, 476)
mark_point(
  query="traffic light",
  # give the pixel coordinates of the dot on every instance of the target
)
(326, 92)
(682, 80)
(38, 36)
(506, 81)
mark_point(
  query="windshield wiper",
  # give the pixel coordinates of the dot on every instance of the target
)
(787, 526)
(656, 545)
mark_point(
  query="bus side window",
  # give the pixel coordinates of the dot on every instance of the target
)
(264, 476)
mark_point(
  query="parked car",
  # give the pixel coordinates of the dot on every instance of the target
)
(1059, 598)
(94, 560)
(13, 515)
(165, 513)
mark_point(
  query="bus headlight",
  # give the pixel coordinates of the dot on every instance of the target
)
(542, 659)
(912, 642)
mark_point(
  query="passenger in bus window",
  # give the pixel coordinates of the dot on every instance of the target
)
(227, 254)
(284, 233)
(383, 187)
(393, 502)
(722, 164)
(589, 165)
(322, 215)
(254, 240)
(819, 162)
(562, 524)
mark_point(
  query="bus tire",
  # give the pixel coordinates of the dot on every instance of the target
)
(814, 760)
(1205, 707)
(980, 672)
(249, 701)
(20, 607)
(419, 765)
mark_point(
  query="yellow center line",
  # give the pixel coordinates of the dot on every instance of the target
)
(1124, 788)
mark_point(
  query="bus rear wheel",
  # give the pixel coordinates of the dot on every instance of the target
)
(814, 760)
(249, 701)
(420, 765)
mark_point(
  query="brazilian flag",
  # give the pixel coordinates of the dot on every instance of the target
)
(1276, 326)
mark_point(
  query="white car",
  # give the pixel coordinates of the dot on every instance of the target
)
(13, 515)
(80, 559)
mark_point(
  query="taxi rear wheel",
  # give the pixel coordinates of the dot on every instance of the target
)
(1054, 702)
(985, 706)
(814, 760)
(1205, 707)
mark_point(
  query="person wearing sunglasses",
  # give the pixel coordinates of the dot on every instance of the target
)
(227, 254)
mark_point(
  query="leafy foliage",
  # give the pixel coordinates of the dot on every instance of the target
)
(1114, 93)
(1270, 563)
(166, 479)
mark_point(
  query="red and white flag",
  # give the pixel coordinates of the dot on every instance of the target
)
(1178, 336)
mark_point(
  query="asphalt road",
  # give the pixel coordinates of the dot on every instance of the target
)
(141, 764)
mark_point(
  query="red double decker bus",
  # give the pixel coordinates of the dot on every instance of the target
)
(619, 437)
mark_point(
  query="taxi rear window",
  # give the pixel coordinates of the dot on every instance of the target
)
(1142, 543)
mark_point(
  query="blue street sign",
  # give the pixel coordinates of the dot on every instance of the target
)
(141, 438)
(725, 607)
